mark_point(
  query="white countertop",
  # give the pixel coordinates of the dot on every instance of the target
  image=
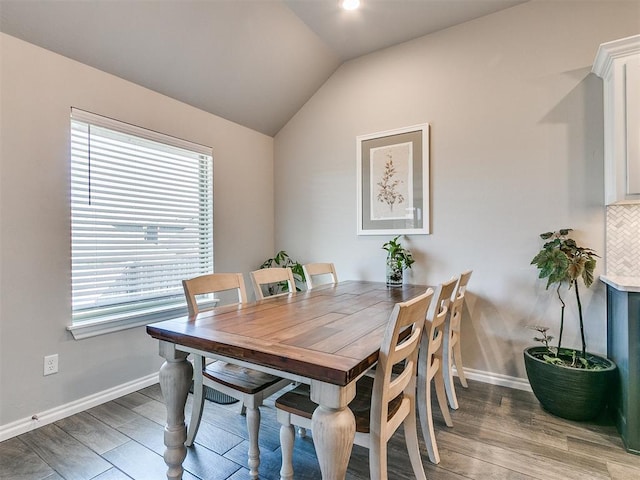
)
(624, 284)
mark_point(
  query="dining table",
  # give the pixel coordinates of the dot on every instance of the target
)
(326, 337)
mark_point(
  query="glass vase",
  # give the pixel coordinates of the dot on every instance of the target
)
(394, 273)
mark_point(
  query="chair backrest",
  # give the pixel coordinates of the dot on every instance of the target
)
(272, 276)
(457, 300)
(438, 312)
(400, 343)
(212, 283)
(314, 269)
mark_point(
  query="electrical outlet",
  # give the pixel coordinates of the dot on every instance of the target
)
(51, 364)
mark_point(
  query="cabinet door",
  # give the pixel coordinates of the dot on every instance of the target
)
(632, 90)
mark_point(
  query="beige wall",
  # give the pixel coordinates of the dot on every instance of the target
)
(37, 90)
(516, 149)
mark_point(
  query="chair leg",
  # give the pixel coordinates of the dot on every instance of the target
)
(447, 365)
(198, 400)
(426, 419)
(287, 437)
(377, 458)
(253, 428)
(413, 447)
(441, 395)
(457, 356)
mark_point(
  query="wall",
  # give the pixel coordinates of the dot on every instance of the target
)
(516, 149)
(37, 90)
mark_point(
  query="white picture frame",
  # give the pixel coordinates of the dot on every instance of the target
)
(393, 182)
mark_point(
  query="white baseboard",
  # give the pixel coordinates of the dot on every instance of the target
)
(53, 415)
(496, 379)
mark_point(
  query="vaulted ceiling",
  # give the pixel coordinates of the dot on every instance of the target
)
(254, 62)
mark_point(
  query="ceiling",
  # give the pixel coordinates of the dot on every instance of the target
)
(254, 62)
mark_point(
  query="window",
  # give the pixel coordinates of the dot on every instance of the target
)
(141, 221)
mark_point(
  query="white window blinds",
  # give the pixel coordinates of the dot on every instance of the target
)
(141, 219)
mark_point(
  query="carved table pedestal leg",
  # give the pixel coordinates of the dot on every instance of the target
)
(334, 428)
(175, 378)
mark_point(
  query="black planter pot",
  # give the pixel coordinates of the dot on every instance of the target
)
(571, 393)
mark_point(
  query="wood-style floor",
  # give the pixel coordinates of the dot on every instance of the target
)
(498, 433)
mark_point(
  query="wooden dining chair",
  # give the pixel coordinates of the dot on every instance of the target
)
(381, 404)
(209, 284)
(249, 386)
(451, 342)
(326, 270)
(430, 367)
(272, 278)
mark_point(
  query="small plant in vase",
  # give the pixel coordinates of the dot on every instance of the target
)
(398, 259)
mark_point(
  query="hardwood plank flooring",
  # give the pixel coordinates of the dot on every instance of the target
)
(498, 433)
(64, 454)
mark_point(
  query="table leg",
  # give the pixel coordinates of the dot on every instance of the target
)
(334, 428)
(175, 378)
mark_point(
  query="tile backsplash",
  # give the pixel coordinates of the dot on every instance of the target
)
(623, 240)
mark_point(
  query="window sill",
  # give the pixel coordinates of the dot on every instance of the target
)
(102, 326)
(92, 328)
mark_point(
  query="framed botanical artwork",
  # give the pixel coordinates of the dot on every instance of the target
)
(393, 181)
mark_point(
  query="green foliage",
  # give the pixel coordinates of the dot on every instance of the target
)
(545, 338)
(283, 260)
(398, 256)
(569, 358)
(553, 360)
(563, 262)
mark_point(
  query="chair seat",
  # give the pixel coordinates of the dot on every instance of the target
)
(245, 380)
(298, 402)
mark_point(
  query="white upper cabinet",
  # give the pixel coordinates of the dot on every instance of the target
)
(618, 64)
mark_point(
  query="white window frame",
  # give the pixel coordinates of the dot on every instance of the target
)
(169, 304)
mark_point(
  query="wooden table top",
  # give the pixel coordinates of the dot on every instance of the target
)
(331, 334)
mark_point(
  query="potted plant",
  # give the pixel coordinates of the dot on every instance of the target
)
(283, 260)
(569, 383)
(398, 259)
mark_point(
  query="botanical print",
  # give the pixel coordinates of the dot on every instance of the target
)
(392, 182)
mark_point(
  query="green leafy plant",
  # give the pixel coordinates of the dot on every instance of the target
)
(398, 259)
(283, 260)
(544, 338)
(398, 254)
(563, 262)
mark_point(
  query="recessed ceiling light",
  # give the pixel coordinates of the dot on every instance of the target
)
(350, 4)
